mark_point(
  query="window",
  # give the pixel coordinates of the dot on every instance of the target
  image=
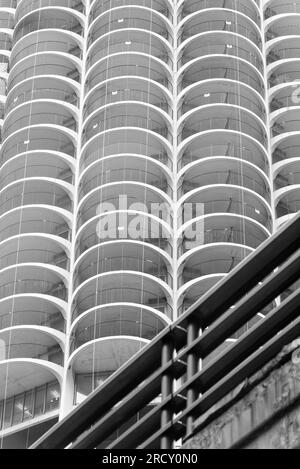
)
(18, 409)
(39, 405)
(8, 407)
(52, 397)
(29, 404)
(87, 383)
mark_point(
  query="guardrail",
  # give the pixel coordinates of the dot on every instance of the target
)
(167, 370)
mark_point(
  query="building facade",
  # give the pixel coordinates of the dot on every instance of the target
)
(148, 146)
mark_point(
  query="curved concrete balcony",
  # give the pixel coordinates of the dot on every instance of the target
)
(33, 342)
(164, 7)
(32, 190)
(122, 287)
(121, 168)
(219, 117)
(281, 24)
(52, 64)
(215, 215)
(221, 259)
(95, 361)
(31, 408)
(218, 66)
(133, 17)
(117, 320)
(285, 146)
(224, 170)
(125, 196)
(52, 88)
(129, 64)
(219, 19)
(33, 278)
(228, 143)
(120, 115)
(110, 353)
(287, 201)
(46, 41)
(221, 229)
(203, 267)
(283, 96)
(5, 56)
(37, 164)
(130, 41)
(205, 261)
(286, 174)
(284, 48)
(42, 138)
(221, 91)
(283, 220)
(123, 255)
(146, 228)
(36, 218)
(285, 122)
(220, 43)
(33, 310)
(40, 112)
(127, 141)
(26, 374)
(23, 7)
(7, 17)
(5, 39)
(48, 18)
(39, 248)
(284, 71)
(221, 199)
(196, 290)
(9, 5)
(248, 8)
(30, 373)
(275, 7)
(127, 89)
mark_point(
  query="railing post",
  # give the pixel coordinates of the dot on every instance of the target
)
(192, 368)
(166, 390)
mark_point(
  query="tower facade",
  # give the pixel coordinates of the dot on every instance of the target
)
(148, 146)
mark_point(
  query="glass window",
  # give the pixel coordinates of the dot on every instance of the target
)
(100, 378)
(39, 405)
(83, 388)
(52, 397)
(28, 405)
(8, 406)
(18, 409)
(87, 383)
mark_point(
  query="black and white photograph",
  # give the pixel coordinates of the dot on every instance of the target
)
(149, 228)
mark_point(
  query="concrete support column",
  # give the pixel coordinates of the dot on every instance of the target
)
(166, 390)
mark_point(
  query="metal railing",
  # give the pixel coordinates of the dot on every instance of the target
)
(175, 353)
